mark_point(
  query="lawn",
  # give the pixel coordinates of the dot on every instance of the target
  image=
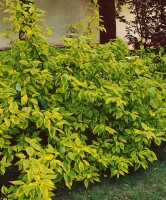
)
(147, 184)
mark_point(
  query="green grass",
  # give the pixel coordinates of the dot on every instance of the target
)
(147, 184)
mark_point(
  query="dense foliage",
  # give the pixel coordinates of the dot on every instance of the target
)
(77, 113)
(69, 114)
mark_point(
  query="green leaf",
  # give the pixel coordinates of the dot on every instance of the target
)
(119, 115)
(26, 164)
(30, 151)
(34, 101)
(78, 142)
(86, 183)
(121, 146)
(39, 122)
(95, 1)
(107, 101)
(48, 157)
(71, 155)
(44, 191)
(137, 166)
(51, 176)
(68, 180)
(144, 126)
(2, 142)
(114, 172)
(7, 122)
(14, 119)
(36, 146)
(30, 175)
(20, 155)
(47, 123)
(19, 191)
(27, 80)
(44, 103)
(24, 62)
(13, 108)
(66, 166)
(52, 131)
(61, 123)
(81, 167)
(110, 130)
(4, 190)
(17, 182)
(48, 182)
(24, 99)
(18, 87)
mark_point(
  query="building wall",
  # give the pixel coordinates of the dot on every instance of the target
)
(3, 27)
(121, 27)
(60, 13)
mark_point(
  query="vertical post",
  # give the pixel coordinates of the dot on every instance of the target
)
(108, 13)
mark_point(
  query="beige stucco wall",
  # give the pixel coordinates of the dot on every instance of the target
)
(3, 27)
(121, 27)
(60, 13)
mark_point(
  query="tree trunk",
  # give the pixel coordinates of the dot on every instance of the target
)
(108, 14)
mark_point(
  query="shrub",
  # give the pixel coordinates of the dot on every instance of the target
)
(71, 114)
(76, 113)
